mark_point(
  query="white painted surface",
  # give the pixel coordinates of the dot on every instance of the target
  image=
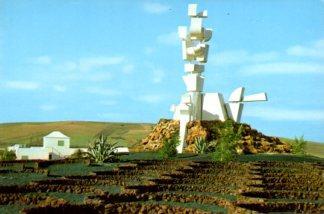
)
(194, 68)
(33, 153)
(234, 111)
(237, 95)
(194, 82)
(213, 107)
(122, 150)
(255, 97)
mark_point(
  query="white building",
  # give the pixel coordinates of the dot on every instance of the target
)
(55, 146)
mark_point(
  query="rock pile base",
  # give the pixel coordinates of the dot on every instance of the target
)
(252, 141)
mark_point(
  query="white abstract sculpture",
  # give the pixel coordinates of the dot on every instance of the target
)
(194, 104)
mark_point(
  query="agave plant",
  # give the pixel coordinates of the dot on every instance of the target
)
(201, 146)
(101, 150)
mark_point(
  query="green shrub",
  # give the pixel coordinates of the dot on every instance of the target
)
(229, 136)
(8, 155)
(78, 154)
(299, 146)
(169, 148)
(101, 150)
(201, 145)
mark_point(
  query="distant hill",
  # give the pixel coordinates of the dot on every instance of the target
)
(82, 132)
(312, 148)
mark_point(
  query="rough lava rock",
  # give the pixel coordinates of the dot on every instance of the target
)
(252, 141)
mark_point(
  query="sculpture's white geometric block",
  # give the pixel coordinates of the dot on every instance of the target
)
(186, 99)
(196, 110)
(194, 68)
(203, 57)
(234, 111)
(237, 95)
(203, 14)
(194, 82)
(188, 52)
(213, 107)
(185, 117)
(196, 30)
(176, 112)
(192, 10)
(255, 97)
(182, 32)
(184, 50)
(182, 135)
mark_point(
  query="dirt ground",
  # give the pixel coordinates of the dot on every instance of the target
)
(163, 186)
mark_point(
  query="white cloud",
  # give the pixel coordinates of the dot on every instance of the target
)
(316, 49)
(68, 66)
(99, 77)
(241, 56)
(151, 98)
(59, 88)
(128, 68)
(41, 60)
(47, 107)
(158, 75)
(89, 63)
(102, 91)
(108, 102)
(169, 39)
(155, 7)
(22, 85)
(284, 114)
(283, 68)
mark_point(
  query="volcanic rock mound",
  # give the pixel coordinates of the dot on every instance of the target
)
(252, 141)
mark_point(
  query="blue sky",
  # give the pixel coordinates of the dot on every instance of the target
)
(121, 60)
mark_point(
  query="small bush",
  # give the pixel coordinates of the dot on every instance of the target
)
(201, 145)
(101, 150)
(225, 149)
(169, 148)
(298, 146)
(78, 154)
(8, 155)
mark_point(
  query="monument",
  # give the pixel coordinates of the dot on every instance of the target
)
(195, 104)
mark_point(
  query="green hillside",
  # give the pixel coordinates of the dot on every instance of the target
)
(312, 148)
(81, 133)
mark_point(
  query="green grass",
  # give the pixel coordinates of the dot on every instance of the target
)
(228, 197)
(195, 205)
(72, 198)
(10, 179)
(312, 148)
(81, 133)
(240, 158)
(141, 156)
(112, 189)
(279, 157)
(75, 169)
(12, 208)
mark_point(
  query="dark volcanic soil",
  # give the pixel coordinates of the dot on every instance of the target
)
(179, 186)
